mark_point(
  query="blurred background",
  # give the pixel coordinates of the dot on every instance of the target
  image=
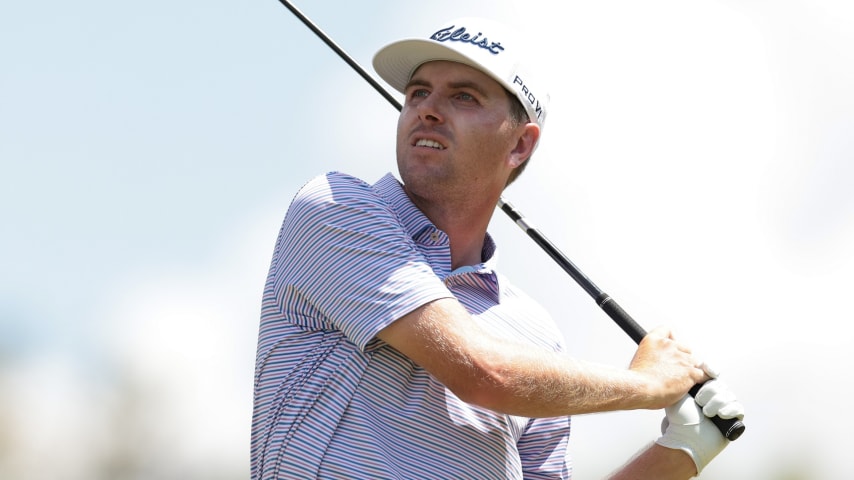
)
(697, 165)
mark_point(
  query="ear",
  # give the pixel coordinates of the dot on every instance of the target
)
(525, 144)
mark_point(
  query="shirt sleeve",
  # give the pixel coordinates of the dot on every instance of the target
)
(343, 260)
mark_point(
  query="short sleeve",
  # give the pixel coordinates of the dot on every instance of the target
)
(343, 260)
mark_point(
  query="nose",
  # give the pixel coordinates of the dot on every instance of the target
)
(429, 110)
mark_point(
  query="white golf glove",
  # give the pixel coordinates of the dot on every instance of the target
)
(686, 426)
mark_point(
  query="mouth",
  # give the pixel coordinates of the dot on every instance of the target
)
(423, 142)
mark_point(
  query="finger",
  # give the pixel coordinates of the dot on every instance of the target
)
(701, 374)
(710, 390)
(733, 409)
(718, 400)
(684, 412)
(662, 332)
(711, 371)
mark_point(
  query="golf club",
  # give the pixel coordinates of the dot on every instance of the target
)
(730, 428)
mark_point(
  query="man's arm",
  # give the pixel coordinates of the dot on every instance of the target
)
(657, 463)
(519, 379)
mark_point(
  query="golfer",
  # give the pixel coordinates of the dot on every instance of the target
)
(390, 344)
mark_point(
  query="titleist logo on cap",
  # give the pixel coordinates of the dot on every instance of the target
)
(535, 108)
(461, 35)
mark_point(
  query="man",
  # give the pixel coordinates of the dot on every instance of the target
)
(389, 344)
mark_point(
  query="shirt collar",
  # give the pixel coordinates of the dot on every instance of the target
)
(417, 224)
(412, 219)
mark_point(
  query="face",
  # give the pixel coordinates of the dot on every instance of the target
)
(455, 136)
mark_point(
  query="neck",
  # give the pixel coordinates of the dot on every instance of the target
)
(465, 223)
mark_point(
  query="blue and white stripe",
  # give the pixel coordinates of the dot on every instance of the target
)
(332, 401)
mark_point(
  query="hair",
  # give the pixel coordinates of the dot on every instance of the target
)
(519, 116)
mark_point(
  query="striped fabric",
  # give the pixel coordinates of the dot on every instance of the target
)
(333, 401)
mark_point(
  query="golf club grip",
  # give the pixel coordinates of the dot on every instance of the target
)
(731, 428)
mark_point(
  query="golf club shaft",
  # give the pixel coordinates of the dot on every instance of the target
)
(730, 428)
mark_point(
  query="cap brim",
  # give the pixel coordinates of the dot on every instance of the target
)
(396, 62)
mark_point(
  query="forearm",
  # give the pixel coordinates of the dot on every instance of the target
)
(526, 381)
(508, 376)
(657, 463)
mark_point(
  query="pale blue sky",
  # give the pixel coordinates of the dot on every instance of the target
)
(697, 164)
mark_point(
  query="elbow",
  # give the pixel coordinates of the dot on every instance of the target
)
(484, 386)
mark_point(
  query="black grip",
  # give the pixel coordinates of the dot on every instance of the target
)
(621, 317)
(731, 428)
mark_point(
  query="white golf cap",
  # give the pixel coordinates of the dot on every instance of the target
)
(480, 43)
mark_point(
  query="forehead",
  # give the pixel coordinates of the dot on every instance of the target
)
(453, 72)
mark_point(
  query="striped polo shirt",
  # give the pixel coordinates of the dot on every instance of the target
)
(334, 401)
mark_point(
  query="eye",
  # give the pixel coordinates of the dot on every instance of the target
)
(419, 92)
(466, 97)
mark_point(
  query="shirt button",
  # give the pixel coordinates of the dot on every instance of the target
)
(434, 236)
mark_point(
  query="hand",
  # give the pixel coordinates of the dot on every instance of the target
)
(667, 366)
(686, 427)
(718, 400)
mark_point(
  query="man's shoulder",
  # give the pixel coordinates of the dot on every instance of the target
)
(337, 194)
(335, 187)
(334, 181)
